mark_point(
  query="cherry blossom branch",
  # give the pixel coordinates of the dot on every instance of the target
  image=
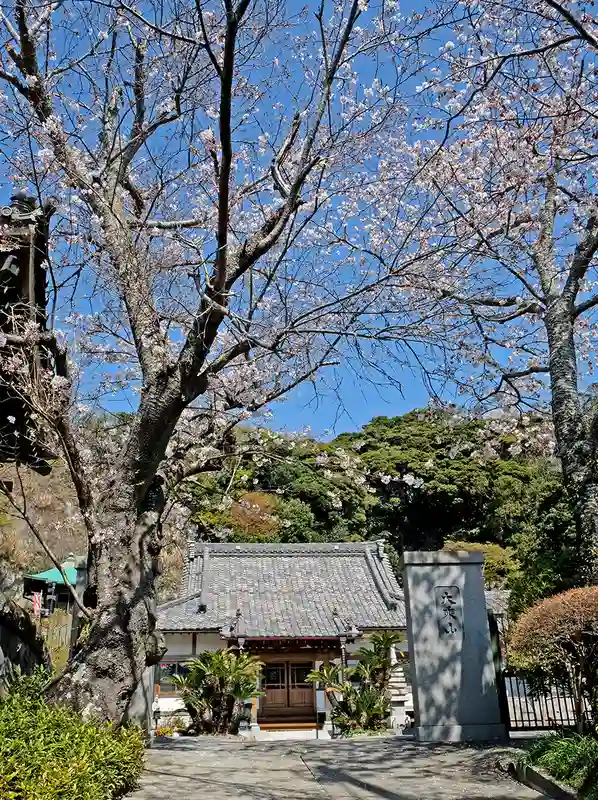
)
(259, 243)
(133, 276)
(170, 225)
(574, 22)
(60, 422)
(486, 238)
(207, 45)
(233, 18)
(584, 253)
(179, 37)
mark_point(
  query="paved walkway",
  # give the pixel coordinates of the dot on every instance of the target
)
(385, 769)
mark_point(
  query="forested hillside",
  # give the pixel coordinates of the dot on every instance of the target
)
(424, 480)
(421, 481)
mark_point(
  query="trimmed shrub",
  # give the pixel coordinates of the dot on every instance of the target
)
(49, 753)
(555, 643)
(572, 760)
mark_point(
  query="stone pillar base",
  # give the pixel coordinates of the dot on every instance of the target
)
(326, 729)
(461, 733)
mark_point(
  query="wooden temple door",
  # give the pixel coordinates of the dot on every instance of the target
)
(274, 684)
(301, 693)
(286, 691)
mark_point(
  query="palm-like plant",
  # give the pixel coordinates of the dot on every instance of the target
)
(365, 706)
(214, 686)
(375, 666)
(329, 675)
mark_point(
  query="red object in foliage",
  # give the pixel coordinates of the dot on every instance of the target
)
(37, 604)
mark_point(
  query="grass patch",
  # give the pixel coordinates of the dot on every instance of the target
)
(571, 759)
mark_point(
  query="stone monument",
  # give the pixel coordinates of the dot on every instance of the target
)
(455, 696)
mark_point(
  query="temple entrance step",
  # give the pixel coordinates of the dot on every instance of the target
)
(288, 726)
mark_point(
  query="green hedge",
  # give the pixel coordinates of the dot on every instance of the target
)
(49, 753)
(570, 759)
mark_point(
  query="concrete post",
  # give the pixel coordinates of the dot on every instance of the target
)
(80, 584)
(454, 681)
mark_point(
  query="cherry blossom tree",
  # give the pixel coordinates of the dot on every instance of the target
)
(505, 145)
(211, 165)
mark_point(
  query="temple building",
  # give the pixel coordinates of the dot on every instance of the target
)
(296, 606)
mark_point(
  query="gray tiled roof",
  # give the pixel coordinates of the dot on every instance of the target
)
(286, 590)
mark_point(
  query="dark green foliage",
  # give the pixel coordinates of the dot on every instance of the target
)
(420, 481)
(465, 493)
(215, 686)
(545, 545)
(569, 759)
(49, 753)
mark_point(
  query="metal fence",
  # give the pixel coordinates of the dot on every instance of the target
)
(527, 712)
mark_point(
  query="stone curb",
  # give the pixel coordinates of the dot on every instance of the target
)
(540, 781)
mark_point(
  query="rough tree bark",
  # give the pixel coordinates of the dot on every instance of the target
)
(576, 433)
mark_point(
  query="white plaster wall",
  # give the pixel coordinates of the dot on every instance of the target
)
(209, 641)
(353, 647)
(178, 644)
(171, 705)
(181, 644)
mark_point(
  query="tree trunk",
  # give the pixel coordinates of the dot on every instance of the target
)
(122, 639)
(576, 435)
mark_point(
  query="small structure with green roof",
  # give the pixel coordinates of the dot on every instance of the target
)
(51, 583)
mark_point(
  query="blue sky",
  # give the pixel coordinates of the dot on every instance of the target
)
(356, 402)
(352, 402)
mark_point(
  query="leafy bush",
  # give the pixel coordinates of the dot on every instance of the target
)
(499, 562)
(572, 760)
(555, 643)
(359, 695)
(49, 753)
(214, 687)
(361, 709)
(177, 723)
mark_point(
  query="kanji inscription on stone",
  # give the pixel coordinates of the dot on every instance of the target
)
(449, 611)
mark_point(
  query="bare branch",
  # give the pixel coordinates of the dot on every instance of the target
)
(586, 305)
(24, 515)
(574, 22)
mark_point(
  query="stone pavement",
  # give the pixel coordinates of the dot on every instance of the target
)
(372, 769)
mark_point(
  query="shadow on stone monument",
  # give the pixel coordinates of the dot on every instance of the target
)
(455, 694)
